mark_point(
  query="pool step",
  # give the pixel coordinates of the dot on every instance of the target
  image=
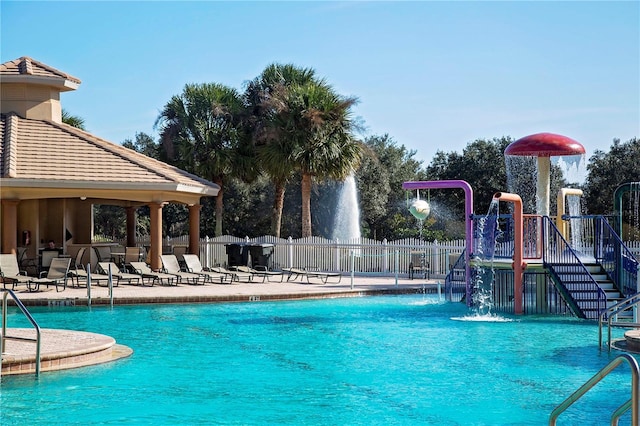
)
(60, 350)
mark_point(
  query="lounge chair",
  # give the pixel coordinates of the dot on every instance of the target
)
(311, 272)
(295, 273)
(57, 275)
(261, 271)
(78, 271)
(26, 263)
(46, 256)
(195, 266)
(10, 272)
(171, 266)
(323, 276)
(120, 275)
(419, 264)
(131, 254)
(236, 275)
(142, 269)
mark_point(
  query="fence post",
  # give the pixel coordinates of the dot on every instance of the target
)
(290, 252)
(435, 257)
(353, 261)
(337, 255)
(397, 265)
(385, 258)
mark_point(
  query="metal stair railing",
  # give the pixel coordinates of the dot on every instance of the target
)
(4, 337)
(558, 253)
(632, 403)
(610, 317)
(616, 258)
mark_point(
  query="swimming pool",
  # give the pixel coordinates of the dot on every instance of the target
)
(397, 360)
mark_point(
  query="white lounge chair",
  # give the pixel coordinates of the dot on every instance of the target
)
(310, 272)
(57, 275)
(142, 269)
(78, 271)
(195, 266)
(10, 272)
(171, 266)
(120, 275)
(262, 272)
(236, 275)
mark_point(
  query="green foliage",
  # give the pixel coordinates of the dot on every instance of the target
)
(607, 171)
(387, 166)
(203, 131)
(72, 120)
(144, 144)
(110, 221)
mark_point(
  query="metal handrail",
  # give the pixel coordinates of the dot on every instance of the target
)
(33, 322)
(615, 417)
(611, 313)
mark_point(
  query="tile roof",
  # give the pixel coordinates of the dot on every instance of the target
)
(46, 151)
(26, 66)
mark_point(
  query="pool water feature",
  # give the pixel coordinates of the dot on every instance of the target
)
(387, 360)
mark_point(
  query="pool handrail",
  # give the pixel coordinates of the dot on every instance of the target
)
(609, 316)
(589, 384)
(33, 322)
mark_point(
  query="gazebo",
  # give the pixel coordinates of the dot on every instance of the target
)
(51, 174)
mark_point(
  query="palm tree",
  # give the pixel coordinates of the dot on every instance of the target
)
(72, 120)
(316, 124)
(203, 132)
(275, 144)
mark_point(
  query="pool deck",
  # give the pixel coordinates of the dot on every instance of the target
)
(64, 349)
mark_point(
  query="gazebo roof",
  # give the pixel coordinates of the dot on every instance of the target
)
(44, 158)
(60, 159)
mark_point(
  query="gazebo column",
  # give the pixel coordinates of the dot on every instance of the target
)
(10, 226)
(131, 226)
(156, 235)
(194, 228)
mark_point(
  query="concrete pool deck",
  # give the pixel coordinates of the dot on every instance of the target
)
(64, 349)
(236, 292)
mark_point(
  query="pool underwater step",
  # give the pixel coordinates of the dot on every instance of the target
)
(60, 350)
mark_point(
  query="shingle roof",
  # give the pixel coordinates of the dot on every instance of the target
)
(54, 152)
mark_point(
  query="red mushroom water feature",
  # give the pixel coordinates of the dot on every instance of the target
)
(544, 146)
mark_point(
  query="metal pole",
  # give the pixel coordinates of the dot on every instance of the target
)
(397, 265)
(110, 287)
(89, 284)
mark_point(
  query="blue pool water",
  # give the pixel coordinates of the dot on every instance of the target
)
(397, 360)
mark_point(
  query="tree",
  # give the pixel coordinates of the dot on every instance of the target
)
(608, 170)
(374, 190)
(203, 131)
(274, 146)
(144, 144)
(72, 120)
(385, 160)
(316, 124)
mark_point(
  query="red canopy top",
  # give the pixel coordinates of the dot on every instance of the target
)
(545, 145)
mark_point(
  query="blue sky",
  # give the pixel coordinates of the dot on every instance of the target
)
(432, 75)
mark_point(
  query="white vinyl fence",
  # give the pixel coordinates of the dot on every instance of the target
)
(364, 256)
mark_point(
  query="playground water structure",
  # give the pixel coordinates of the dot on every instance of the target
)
(543, 146)
(468, 214)
(539, 257)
